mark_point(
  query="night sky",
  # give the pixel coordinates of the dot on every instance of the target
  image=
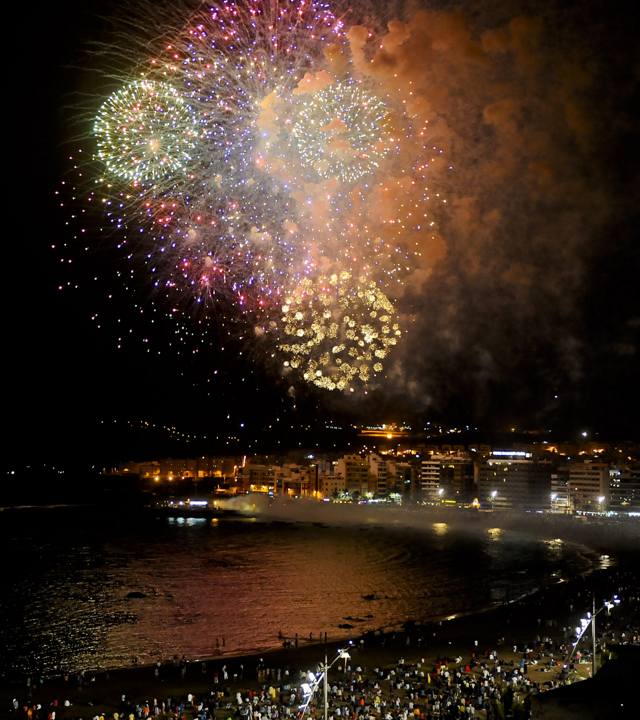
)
(524, 312)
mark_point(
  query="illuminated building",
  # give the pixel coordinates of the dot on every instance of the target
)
(429, 479)
(624, 488)
(401, 477)
(355, 473)
(447, 477)
(330, 485)
(513, 479)
(457, 478)
(295, 480)
(257, 478)
(588, 483)
(560, 496)
(169, 469)
(379, 471)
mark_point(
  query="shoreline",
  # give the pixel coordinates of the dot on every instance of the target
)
(588, 561)
(516, 622)
(342, 635)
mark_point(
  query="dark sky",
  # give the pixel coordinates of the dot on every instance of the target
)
(535, 295)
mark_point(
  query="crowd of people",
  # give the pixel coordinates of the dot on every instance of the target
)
(483, 687)
(490, 681)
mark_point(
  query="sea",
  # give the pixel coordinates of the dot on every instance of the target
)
(88, 589)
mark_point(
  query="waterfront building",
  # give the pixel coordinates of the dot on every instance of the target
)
(257, 478)
(401, 477)
(560, 497)
(457, 477)
(330, 485)
(379, 472)
(624, 488)
(447, 477)
(429, 478)
(295, 480)
(355, 473)
(513, 479)
(588, 484)
(170, 469)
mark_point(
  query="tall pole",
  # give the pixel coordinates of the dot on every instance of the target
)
(593, 637)
(326, 672)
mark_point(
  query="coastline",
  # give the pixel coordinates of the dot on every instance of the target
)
(514, 623)
(369, 607)
(511, 589)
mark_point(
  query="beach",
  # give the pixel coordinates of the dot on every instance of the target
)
(540, 625)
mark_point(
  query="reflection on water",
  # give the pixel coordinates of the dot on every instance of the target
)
(554, 546)
(91, 590)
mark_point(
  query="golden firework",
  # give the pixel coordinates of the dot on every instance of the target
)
(336, 330)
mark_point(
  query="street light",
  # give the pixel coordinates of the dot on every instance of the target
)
(310, 688)
(590, 620)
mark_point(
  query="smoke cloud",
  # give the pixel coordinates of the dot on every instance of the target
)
(612, 535)
(497, 312)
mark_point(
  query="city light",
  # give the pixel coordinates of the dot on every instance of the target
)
(511, 453)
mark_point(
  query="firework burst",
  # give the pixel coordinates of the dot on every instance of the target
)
(146, 134)
(337, 331)
(341, 132)
(247, 163)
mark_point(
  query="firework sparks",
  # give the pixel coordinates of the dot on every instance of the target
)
(337, 331)
(146, 133)
(341, 132)
(252, 166)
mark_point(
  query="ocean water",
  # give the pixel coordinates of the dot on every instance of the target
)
(89, 589)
